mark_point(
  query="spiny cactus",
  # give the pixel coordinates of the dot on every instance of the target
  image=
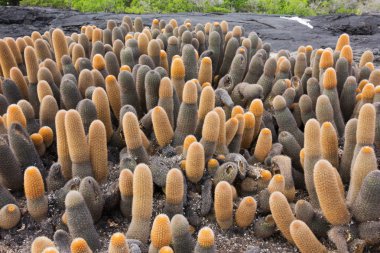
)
(245, 214)
(37, 202)
(80, 245)
(78, 148)
(10, 216)
(7, 61)
(223, 205)
(329, 193)
(263, 145)
(304, 238)
(100, 99)
(174, 191)
(93, 197)
(161, 233)
(365, 163)
(285, 119)
(62, 145)
(79, 220)
(366, 206)
(206, 104)
(282, 214)
(205, 241)
(329, 144)
(60, 46)
(161, 126)
(40, 243)
(188, 113)
(330, 90)
(195, 162)
(249, 130)
(23, 148)
(133, 139)
(118, 244)
(142, 204)
(39, 144)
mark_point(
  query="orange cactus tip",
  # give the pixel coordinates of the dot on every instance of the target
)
(346, 52)
(212, 163)
(188, 25)
(367, 150)
(301, 49)
(257, 107)
(329, 79)
(359, 97)
(98, 62)
(343, 40)
(309, 48)
(128, 36)
(11, 208)
(284, 65)
(206, 237)
(37, 139)
(206, 84)
(221, 157)
(110, 79)
(278, 178)
(156, 21)
(370, 66)
(266, 175)
(183, 164)
(327, 124)
(362, 83)
(207, 60)
(118, 239)
(266, 131)
(166, 249)
(249, 200)
(249, 120)
(368, 91)
(319, 51)
(242, 50)
(327, 59)
(125, 68)
(377, 89)
(237, 110)
(178, 68)
(162, 53)
(216, 24)
(79, 245)
(188, 140)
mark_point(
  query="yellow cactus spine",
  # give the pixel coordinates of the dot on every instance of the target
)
(113, 93)
(205, 71)
(249, 130)
(15, 115)
(7, 60)
(10, 216)
(223, 204)
(205, 241)
(79, 245)
(100, 99)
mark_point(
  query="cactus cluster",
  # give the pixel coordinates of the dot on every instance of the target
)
(104, 122)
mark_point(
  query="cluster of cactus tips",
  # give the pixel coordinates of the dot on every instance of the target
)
(192, 111)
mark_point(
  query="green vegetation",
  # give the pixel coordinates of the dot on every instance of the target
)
(290, 7)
